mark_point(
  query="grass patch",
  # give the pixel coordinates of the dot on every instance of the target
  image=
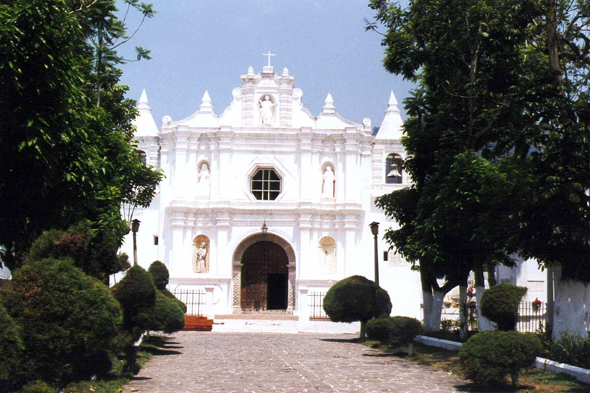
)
(117, 379)
(531, 380)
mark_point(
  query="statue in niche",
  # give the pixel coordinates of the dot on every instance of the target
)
(204, 179)
(327, 256)
(328, 185)
(200, 257)
(266, 110)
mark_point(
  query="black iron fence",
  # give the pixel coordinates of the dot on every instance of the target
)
(531, 316)
(316, 306)
(194, 300)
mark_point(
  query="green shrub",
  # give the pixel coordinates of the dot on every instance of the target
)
(136, 293)
(65, 316)
(488, 357)
(500, 305)
(38, 387)
(379, 329)
(404, 329)
(166, 316)
(170, 295)
(356, 299)
(160, 274)
(11, 348)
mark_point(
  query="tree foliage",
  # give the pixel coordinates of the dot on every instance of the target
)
(496, 133)
(66, 154)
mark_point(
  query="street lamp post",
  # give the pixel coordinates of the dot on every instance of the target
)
(375, 231)
(134, 228)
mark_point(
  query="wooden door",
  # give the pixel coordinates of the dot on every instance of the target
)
(261, 261)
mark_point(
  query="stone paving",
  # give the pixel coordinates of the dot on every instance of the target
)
(274, 362)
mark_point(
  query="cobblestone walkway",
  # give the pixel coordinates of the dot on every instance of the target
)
(273, 362)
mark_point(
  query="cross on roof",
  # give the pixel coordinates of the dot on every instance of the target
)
(269, 55)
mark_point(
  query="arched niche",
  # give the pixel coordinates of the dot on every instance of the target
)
(328, 183)
(201, 245)
(327, 256)
(203, 178)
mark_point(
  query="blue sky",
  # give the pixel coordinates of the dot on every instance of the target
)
(207, 45)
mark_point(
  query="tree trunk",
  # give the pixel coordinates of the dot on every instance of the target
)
(363, 334)
(463, 312)
(435, 313)
(426, 300)
(571, 313)
(483, 322)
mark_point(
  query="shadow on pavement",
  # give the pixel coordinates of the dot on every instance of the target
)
(341, 340)
(161, 351)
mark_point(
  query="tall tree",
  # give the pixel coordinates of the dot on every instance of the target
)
(507, 80)
(466, 57)
(65, 155)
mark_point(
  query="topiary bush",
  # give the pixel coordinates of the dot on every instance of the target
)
(136, 293)
(170, 295)
(356, 299)
(489, 356)
(65, 317)
(160, 274)
(11, 348)
(379, 329)
(166, 316)
(38, 387)
(394, 330)
(405, 329)
(500, 305)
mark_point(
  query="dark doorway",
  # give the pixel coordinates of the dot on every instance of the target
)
(277, 291)
(264, 277)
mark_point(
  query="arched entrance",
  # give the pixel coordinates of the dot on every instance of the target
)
(265, 276)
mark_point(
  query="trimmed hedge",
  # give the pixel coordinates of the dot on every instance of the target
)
(11, 348)
(356, 298)
(166, 316)
(170, 295)
(66, 317)
(500, 305)
(489, 356)
(160, 274)
(394, 330)
(137, 293)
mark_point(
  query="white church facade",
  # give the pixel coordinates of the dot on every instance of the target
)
(266, 202)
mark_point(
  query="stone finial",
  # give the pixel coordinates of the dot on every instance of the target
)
(144, 122)
(329, 108)
(391, 127)
(392, 106)
(143, 103)
(285, 72)
(206, 105)
(250, 71)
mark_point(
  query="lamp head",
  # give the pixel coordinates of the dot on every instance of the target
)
(374, 228)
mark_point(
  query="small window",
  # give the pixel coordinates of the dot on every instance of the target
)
(155, 240)
(385, 256)
(393, 169)
(142, 156)
(266, 185)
